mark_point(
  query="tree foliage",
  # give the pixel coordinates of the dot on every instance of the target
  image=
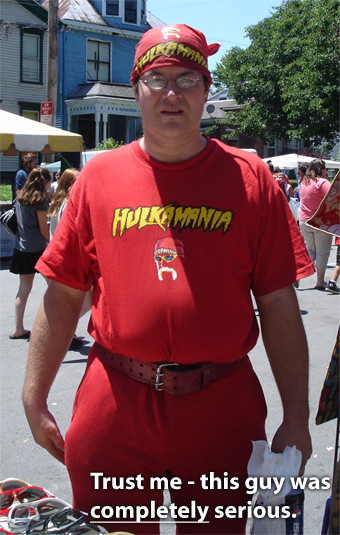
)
(109, 144)
(288, 78)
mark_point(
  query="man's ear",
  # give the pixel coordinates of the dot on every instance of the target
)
(135, 90)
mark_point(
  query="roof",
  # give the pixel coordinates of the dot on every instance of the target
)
(80, 10)
(102, 89)
(83, 11)
(153, 21)
(216, 109)
(221, 95)
(35, 8)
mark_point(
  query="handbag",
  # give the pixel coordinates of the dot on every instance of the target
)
(9, 220)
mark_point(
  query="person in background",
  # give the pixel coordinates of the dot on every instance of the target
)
(54, 184)
(332, 284)
(270, 166)
(59, 201)
(313, 188)
(276, 171)
(302, 169)
(175, 232)
(30, 241)
(28, 163)
(287, 185)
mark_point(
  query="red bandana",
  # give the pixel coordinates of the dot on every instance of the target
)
(175, 45)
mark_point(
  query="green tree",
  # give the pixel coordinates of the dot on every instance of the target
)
(110, 143)
(288, 78)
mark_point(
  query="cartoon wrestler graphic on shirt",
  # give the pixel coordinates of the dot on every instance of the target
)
(166, 251)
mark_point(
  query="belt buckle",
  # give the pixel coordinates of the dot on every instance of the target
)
(159, 374)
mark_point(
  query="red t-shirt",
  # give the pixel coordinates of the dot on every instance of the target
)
(174, 251)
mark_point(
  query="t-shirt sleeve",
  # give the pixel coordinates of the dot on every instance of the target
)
(281, 256)
(20, 179)
(43, 207)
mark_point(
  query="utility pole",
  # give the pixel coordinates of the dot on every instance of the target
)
(52, 57)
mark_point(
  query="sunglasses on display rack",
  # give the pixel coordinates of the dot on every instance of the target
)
(62, 521)
(21, 515)
(12, 483)
(22, 495)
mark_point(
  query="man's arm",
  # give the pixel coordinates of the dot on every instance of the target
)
(53, 330)
(286, 345)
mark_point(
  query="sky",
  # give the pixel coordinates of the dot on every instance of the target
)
(221, 21)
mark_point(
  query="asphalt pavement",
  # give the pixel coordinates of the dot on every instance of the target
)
(21, 457)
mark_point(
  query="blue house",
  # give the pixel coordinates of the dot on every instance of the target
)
(96, 48)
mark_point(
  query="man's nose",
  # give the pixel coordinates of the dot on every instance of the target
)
(171, 88)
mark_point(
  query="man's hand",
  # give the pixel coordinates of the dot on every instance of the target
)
(46, 431)
(52, 332)
(293, 436)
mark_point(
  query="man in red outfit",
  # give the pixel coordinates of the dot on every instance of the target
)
(169, 390)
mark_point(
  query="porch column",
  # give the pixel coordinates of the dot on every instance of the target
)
(69, 118)
(97, 118)
(104, 127)
(127, 127)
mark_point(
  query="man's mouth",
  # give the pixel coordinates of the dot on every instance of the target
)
(172, 112)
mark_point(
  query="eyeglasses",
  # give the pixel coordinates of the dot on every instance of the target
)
(22, 515)
(62, 521)
(160, 82)
(22, 495)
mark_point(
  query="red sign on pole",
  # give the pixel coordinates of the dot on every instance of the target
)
(46, 109)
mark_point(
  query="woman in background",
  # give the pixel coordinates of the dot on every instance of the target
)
(54, 184)
(30, 241)
(287, 185)
(313, 188)
(60, 197)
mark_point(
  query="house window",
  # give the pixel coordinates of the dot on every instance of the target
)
(31, 56)
(30, 114)
(293, 145)
(98, 61)
(112, 7)
(131, 11)
(30, 110)
(143, 10)
(271, 149)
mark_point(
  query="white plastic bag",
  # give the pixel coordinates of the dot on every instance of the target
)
(294, 205)
(266, 464)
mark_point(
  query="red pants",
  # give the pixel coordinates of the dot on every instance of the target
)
(123, 428)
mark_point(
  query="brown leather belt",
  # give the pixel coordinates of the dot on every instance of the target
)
(168, 377)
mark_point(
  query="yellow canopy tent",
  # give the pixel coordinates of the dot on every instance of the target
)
(18, 133)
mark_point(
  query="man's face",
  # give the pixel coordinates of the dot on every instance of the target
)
(171, 113)
(32, 164)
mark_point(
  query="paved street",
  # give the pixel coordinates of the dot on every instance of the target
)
(21, 457)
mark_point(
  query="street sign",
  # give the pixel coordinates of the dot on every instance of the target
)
(46, 109)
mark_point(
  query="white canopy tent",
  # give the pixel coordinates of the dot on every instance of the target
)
(292, 161)
(18, 133)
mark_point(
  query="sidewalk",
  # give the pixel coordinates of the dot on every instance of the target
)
(21, 457)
